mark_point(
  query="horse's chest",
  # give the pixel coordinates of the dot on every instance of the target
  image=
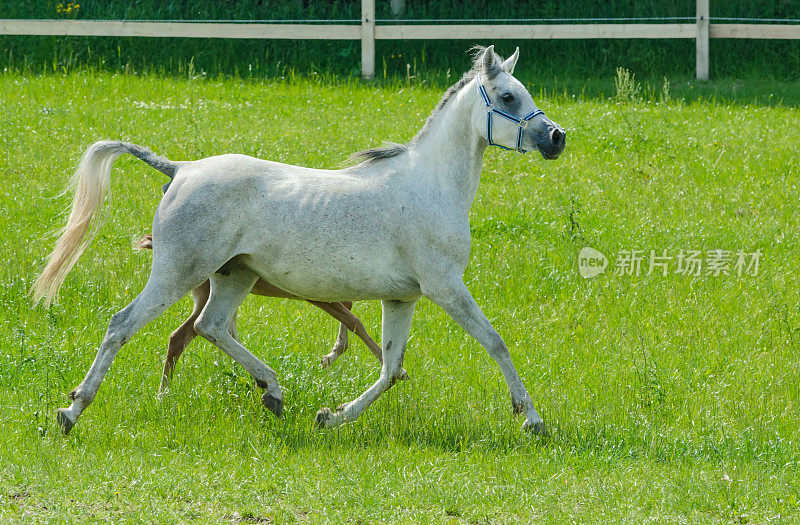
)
(443, 236)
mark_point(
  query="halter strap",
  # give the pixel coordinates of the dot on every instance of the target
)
(522, 123)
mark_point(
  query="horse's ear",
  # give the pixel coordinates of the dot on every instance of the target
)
(508, 65)
(490, 59)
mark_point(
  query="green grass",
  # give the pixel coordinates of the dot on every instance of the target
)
(669, 399)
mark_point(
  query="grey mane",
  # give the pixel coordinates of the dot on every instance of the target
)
(389, 149)
(392, 149)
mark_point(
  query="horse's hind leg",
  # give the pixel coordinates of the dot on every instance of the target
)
(158, 295)
(227, 294)
(184, 335)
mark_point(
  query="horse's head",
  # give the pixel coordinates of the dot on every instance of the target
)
(505, 114)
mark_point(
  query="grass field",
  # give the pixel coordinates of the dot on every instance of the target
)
(670, 399)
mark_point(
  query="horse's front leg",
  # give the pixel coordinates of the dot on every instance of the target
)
(395, 325)
(349, 321)
(456, 300)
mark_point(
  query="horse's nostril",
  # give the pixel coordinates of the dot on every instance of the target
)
(558, 136)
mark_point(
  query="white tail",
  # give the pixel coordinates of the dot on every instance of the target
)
(91, 183)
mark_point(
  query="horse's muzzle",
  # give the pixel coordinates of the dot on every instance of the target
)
(552, 142)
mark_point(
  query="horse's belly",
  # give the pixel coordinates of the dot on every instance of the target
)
(335, 278)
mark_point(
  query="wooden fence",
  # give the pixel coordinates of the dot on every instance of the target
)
(368, 31)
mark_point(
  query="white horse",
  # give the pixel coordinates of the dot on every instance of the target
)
(393, 227)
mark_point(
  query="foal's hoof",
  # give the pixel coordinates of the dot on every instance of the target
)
(64, 421)
(274, 404)
(328, 360)
(324, 418)
(536, 428)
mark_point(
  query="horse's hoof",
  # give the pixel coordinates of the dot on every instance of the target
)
(64, 421)
(274, 404)
(537, 428)
(403, 376)
(324, 418)
(327, 360)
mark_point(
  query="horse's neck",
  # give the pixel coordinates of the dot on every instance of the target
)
(450, 152)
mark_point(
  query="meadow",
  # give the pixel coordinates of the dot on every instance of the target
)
(669, 398)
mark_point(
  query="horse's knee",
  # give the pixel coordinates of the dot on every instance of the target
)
(395, 374)
(393, 364)
(496, 347)
(398, 374)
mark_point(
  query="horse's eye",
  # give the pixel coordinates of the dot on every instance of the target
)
(508, 98)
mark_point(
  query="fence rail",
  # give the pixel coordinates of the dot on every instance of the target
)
(179, 29)
(368, 31)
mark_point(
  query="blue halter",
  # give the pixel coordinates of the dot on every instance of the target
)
(522, 123)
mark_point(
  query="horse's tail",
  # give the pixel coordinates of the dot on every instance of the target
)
(91, 184)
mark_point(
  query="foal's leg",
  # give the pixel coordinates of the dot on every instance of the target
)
(395, 325)
(340, 346)
(161, 292)
(184, 335)
(349, 321)
(459, 304)
(227, 294)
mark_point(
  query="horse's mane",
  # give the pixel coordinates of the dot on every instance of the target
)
(392, 149)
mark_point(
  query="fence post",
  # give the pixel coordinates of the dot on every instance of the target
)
(367, 38)
(702, 39)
